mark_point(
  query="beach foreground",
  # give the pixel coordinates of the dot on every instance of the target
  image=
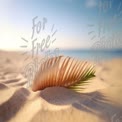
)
(101, 100)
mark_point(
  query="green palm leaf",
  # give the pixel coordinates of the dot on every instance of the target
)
(89, 74)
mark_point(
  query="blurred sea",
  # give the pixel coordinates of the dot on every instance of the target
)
(94, 55)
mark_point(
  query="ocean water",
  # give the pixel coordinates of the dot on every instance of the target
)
(94, 55)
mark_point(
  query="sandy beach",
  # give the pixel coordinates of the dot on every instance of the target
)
(101, 100)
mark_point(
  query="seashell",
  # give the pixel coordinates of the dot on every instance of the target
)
(64, 72)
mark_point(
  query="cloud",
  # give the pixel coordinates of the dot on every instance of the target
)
(91, 3)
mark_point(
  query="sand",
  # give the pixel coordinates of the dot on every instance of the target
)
(101, 100)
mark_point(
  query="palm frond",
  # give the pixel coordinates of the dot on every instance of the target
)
(65, 72)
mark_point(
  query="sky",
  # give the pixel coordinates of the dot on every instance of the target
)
(71, 24)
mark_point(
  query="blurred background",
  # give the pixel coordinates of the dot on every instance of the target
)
(87, 29)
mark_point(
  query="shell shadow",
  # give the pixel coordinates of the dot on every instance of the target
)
(95, 103)
(59, 95)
